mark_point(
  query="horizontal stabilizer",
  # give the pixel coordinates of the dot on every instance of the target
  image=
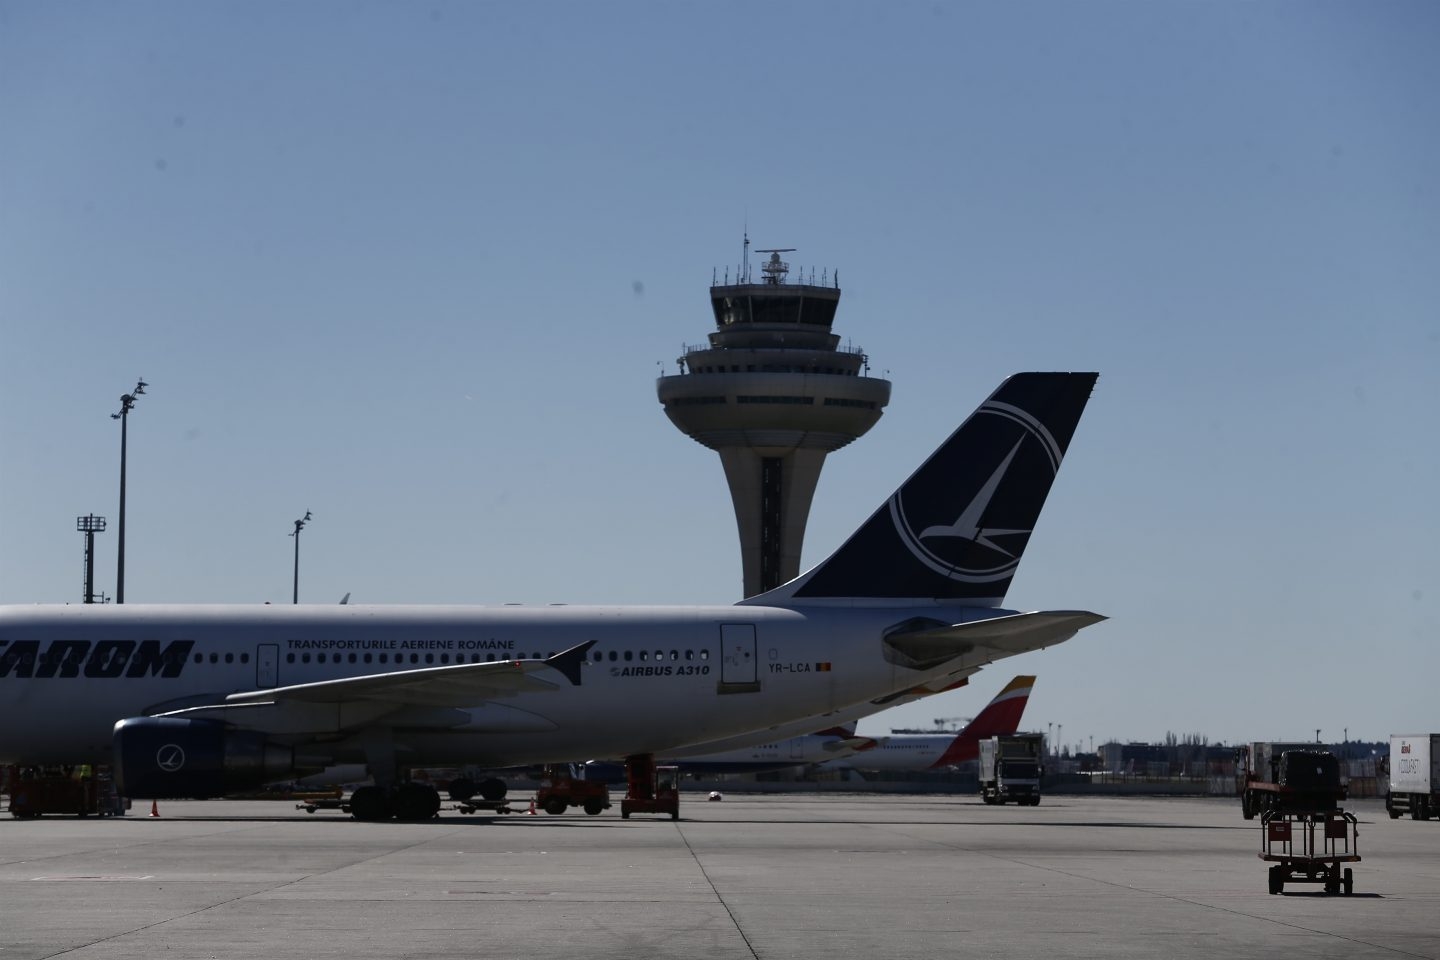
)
(1009, 635)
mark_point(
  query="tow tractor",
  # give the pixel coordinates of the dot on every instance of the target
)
(82, 791)
(560, 790)
(650, 789)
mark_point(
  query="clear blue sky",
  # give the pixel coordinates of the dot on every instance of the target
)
(415, 266)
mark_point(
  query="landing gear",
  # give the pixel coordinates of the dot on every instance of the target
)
(371, 803)
(416, 801)
(406, 801)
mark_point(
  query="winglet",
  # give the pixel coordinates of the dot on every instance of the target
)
(568, 661)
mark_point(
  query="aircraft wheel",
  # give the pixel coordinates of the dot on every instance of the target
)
(416, 801)
(462, 789)
(370, 803)
(493, 789)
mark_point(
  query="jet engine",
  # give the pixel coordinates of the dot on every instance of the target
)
(164, 758)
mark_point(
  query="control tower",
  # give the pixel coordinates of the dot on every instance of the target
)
(773, 392)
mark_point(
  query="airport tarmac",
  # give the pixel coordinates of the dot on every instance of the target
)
(750, 876)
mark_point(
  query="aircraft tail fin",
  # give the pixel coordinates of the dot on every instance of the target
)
(956, 530)
(1000, 716)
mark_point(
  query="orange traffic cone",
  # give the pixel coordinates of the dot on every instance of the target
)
(154, 808)
(532, 806)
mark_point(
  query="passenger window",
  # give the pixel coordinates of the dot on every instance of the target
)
(629, 656)
(704, 654)
(384, 658)
(289, 658)
(367, 658)
(689, 654)
(304, 658)
(244, 658)
(429, 658)
(229, 658)
(674, 654)
(200, 657)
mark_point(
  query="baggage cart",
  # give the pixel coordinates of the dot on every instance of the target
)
(1310, 848)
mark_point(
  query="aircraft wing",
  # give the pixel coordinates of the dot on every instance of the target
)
(1008, 635)
(851, 745)
(458, 685)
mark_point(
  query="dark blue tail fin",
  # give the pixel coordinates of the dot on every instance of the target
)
(955, 531)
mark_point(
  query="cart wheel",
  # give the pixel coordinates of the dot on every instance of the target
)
(1276, 883)
(1349, 881)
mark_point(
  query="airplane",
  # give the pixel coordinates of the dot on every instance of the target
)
(196, 701)
(932, 751)
(756, 756)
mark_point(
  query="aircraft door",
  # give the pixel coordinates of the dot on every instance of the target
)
(737, 657)
(267, 666)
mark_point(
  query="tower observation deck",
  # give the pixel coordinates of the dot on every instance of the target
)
(773, 392)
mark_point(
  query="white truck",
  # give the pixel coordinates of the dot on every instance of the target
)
(1414, 776)
(1011, 767)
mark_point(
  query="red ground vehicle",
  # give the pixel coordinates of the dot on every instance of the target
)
(559, 791)
(650, 789)
(36, 791)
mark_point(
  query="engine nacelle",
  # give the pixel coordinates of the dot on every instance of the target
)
(167, 758)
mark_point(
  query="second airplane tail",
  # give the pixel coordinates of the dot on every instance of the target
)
(1000, 716)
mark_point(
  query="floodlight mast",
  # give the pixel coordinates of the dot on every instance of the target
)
(126, 402)
(299, 525)
(90, 525)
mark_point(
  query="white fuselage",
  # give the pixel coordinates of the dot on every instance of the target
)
(903, 753)
(655, 680)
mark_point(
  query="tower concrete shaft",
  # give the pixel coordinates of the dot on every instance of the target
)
(773, 392)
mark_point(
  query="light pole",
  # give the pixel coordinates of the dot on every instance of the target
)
(90, 525)
(126, 402)
(299, 525)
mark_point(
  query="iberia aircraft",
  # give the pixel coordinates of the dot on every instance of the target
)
(839, 747)
(936, 751)
(200, 701)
